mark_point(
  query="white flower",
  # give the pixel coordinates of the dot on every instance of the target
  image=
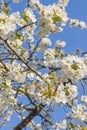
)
(73, 68)
(84, 99)
(61, 97)
(72, 91)
(15, 72)
(49, 56)
(63, 3)
(35, 4)
(29, 14)
(11, 36)
(60, 43)
(7, 100)
(31, 75)
(15, 17)
(85, 59)
(77, 23)
(45, 42)
(50, 15)
(79, 112)
(62, 124)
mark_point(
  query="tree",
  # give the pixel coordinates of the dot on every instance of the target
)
(35, 76)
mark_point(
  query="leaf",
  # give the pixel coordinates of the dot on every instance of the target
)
(56, 18)
(74, 67)
(72, 125)
(66, 91)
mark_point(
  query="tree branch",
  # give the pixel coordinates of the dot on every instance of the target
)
(30, 24)
(31, 115)
(25, 62)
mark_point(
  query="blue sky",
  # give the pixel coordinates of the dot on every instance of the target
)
(74, 37)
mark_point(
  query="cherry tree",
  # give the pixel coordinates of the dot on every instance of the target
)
(36, 77)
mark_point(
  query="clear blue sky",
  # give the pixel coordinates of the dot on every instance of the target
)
(74, 37)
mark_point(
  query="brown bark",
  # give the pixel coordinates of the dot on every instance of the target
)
(31, 115)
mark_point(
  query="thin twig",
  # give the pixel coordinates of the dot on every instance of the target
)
(83, 87)
(31, 54)
(25, 62)
(45, 119)
(5, 67)
(28, 119)
(30, 24)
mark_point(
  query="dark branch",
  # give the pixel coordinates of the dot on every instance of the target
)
(28, 119)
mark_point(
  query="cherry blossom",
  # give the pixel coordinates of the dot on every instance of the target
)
(36, 75)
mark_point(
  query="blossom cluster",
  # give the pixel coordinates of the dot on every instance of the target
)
(35, 72)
